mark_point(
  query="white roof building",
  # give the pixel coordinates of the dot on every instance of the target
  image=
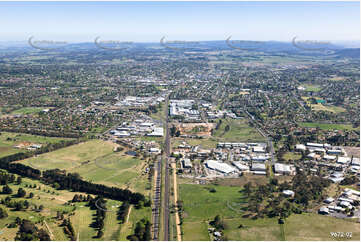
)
(157, 131)
(343, 160)
(283, 169)
(240, 166)
(316, 145)
(329, 157)
(300, 147)
(218, 166)
(258, 167)
(187, 163)
(288, 193)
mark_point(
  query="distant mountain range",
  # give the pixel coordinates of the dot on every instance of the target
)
(342, 49)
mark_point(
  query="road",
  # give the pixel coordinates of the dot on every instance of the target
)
(156, 199)
(264, 134)
(166, 175)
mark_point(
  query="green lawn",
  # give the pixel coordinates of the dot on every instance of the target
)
(328, 126)
(96, 161)
(239, 131)
(201, 206)
(291, 156)
(312, 88)
(28, 110)
(70, 157)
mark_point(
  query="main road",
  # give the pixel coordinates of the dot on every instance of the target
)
(166, 175)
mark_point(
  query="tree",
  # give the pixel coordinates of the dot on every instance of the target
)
(248, 188)
(7, 190)
(21, 192)
(18, 180)
(43, 235)
(31, 195)
(3, 213)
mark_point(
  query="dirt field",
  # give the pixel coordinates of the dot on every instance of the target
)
(200, 129)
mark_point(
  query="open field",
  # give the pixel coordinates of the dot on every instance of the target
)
(318, 227)
(9, 140)
(72, 156)
(28, 110)
(201, 206)
(328, 126)
(312, 88)
(239, 131)
(291, 156)
(96, 161)
(323, 107)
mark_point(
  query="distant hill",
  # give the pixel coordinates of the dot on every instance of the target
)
(350, 53)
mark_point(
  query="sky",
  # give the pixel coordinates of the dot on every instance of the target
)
(188, 21)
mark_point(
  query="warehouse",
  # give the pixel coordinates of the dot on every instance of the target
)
(282, 169)
(218, 166)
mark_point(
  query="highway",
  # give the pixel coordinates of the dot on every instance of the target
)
(156, 198)
(166, 175)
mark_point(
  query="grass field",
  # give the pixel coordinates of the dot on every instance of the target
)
(328, 126)
(28, 110)
(312, 88)
(318, 227)
(96, 161)
(201, 206)
(323, 107)
(9, 140)
(72, 156)
(291, 156)
(239, 131)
